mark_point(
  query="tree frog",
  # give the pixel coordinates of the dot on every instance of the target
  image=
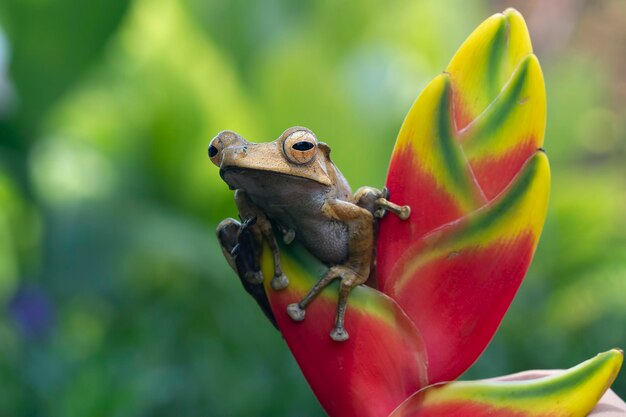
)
(291, 185)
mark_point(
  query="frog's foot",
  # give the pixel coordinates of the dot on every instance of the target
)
(247, 223)
(296, 312)
(348, 282)
(288, 236)
(279, 282)
(377, 202)
(339, 334)
(385, 205)
(227, 234)
(240, 249)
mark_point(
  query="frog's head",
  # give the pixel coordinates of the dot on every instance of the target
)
(296, 153)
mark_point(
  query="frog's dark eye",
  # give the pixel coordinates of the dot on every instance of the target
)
(215, 148)
(300, 147)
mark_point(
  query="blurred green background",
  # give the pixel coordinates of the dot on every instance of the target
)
(115, 298)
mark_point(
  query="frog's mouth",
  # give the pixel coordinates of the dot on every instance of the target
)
(270, 183)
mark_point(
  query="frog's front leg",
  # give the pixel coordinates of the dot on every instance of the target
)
(353, 272)
(263, 228)
(376, 201)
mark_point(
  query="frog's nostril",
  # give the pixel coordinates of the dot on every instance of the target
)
(212, 151)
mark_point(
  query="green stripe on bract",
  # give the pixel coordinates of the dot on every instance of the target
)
(502, 207)
(477, 228)
(572, 393)
(496, 54)
(481, 130)
(453, 159)
(547, 388)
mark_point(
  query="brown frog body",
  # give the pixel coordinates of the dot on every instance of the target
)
(293, 185)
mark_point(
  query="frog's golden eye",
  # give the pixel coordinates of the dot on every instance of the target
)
(300, 147)
(215, 150)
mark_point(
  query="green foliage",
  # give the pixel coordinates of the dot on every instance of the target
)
(117, 300)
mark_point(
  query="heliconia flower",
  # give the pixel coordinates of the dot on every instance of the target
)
(468, 160)
(471, 135)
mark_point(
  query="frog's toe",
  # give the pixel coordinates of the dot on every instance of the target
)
(289, 236)
(296, 312)
(254, 277)
(279, 282)
(339, 334)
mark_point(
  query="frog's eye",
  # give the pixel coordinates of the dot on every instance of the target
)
(300, 147)
(215, 150)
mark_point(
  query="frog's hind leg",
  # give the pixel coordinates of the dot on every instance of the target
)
(279, 281)
(241, 248)
(242, 253)
(339, 333)
(263, 228)
(353, 272)
(297, 311)
(227, 232)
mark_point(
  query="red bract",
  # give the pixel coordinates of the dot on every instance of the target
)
(382, 364)
(468, 162)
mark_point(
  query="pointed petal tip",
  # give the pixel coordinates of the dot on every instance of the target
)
(615, 356)
(510, 16)
(517, 28)
(512, 12)
(614, 359)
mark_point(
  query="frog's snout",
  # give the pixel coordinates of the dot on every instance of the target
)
(225, 142)
(228, 137)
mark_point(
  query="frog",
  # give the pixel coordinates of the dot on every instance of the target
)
(290, 186)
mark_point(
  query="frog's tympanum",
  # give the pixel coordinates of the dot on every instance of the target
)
(291, 185)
